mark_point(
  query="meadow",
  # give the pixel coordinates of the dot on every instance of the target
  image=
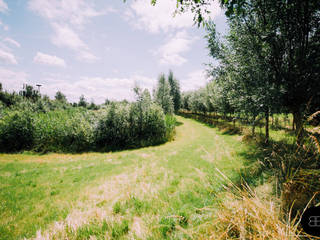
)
(188, 188)
(151, 192)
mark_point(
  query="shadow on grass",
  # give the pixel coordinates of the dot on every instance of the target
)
(280, 159)
(179, 123)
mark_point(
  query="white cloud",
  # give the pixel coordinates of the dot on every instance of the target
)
(5, 27)
(73, 12)
(12, 41)
(66, 37)
(12, 81)
(97, 88)
(49, 60)
(194, 80)
(3, 6)
(87, 56)
(170, 52)
(161, 16)
(7, 57)
(67, 18)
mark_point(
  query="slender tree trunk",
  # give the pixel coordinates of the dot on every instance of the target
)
(293, 128)
(297, 119)
(253, 125)
(267, 125)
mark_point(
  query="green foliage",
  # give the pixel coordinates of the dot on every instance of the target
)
(162, 95)
(45, 125)
(64, 131)
(113, 127)
(60, 97)
(120, 229)
(29, 93)
(167, 226)
(174, 91)
(132, 125)
(16, 131)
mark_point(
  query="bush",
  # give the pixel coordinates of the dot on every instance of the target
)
(113, 128)
(64, 131)
(130, 126)
(16, 131)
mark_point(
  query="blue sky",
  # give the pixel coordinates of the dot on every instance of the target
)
(98, 48)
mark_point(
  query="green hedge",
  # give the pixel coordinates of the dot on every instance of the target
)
(117, 126)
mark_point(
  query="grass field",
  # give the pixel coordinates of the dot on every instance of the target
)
(150, 193)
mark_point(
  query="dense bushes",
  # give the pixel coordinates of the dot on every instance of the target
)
(64, 130)
(16, 130)
(132, 125)
(118, 126)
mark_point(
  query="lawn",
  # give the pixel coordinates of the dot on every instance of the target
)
(154, 192)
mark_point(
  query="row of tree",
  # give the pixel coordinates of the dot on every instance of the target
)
(269, 62)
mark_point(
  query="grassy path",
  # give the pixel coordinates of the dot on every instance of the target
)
(153, 192)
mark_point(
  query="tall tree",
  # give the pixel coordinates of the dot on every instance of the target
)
(29, 93)
(289, 32)
(162, 95)
(174, 91)
(60, 97)
(82, 101)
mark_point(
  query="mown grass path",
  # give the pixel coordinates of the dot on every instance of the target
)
(154, 192)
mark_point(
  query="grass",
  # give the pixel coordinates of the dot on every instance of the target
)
(150, 193)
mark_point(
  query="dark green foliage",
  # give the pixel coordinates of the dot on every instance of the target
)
(167, 226)
(29, 93)
(174, 91)
(45, 125)
(162, 95)
(16, 131)
(113, 128)
(133, 125)
(64, 131)
(82, 102)
(60, 97)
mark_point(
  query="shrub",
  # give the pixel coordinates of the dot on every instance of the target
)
(113, 128)
(46, 126)
(16, 131)
(64, 130)
(139, 124)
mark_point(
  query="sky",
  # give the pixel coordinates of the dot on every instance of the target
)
(100, 48)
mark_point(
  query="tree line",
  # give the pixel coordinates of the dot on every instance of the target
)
(30, 121)
(269, 61)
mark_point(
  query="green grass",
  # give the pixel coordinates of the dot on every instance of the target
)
(137, 194)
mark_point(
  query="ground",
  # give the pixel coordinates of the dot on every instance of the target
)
(155, 192)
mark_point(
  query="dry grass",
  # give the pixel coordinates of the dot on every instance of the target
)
(244, 215)
(98, 206)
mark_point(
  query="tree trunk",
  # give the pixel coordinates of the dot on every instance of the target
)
(267, 125)
(297, 119)
(293, 124)
(253, 125)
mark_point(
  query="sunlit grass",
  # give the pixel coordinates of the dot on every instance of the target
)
(156, 192)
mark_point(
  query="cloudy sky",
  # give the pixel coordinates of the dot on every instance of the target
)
(98, 48)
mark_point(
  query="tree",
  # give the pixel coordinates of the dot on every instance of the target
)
(29, 93)
(162, 95)
(60, 97)
(174, 91)
(289, 33)
(82, 102)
